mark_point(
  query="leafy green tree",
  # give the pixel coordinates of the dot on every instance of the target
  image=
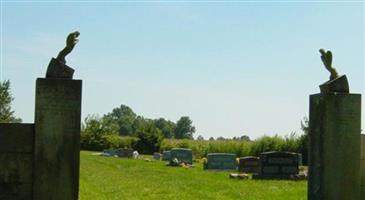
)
(184, 128)
(167, 127)
(6, 113)
(94, 132)
(123, 117)
(221, 138)
(245, 138)
(149, 139)
(200, 137)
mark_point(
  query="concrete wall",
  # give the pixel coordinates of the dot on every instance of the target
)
(16, 161)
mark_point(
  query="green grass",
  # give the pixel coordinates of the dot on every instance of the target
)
(106, 178)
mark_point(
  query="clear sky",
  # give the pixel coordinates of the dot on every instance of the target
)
(234, 68)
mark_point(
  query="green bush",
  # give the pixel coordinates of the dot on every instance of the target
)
(116, 141)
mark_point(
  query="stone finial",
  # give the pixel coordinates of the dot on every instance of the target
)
(336, 84)
(57, 68)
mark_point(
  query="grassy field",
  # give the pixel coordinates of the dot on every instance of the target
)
(107, 178)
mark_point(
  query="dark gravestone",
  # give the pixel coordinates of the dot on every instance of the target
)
(166, 155)
(157, 156)
(362, 165)
(16, 161)
(221, 161)
(249, 164)
(334, 146)
(278, 165)
(57, 139)
(125, 153)
(182, 155)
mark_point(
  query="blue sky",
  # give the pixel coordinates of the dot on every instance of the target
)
(234, 67)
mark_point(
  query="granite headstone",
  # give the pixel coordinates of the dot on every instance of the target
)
(221, 161)
(183, 155)
(249, 164)
(278, 165)
(166, 155)
(125, 153)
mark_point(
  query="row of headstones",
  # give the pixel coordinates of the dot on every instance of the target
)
(278, 165)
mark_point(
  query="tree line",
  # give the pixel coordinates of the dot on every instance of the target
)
(145, 134)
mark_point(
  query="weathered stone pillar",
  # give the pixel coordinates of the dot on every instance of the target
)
(334, 146)
(57, 139)
(362, 167)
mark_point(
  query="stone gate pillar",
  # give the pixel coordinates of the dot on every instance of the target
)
(334, 146)
(57, 139)
(334, 139)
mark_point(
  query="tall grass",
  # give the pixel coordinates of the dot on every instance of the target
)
(241, 148)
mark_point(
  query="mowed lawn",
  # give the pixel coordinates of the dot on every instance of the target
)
(112, 178)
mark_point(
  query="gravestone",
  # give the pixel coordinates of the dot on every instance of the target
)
(249, 164)
(278, 165)
(362, 166)
(110, 152)
(125, 153)
(221, 161)
(182, 155)
(157, 156)
(16, 161)
(166, 155)
(334, 139)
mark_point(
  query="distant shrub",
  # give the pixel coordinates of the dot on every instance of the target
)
(116, 141)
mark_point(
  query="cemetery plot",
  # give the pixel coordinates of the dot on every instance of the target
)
(110, 152)
(166, 155)
(221, 161)
(125, 153)
(278, 165)
(249, 164)
(157, 156)
(181, 155)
